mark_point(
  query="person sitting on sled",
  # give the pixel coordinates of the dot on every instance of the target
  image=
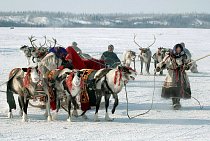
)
(176, 85)
(61, 53)
(110, 57)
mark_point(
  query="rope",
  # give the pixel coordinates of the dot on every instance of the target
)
(132, 117)
(201, 106)
(2, 85)
(151, 106)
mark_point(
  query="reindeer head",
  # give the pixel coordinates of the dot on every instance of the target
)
(132, 54)
(26, 50)
(77, 78)
(143, 49)
(127, 73)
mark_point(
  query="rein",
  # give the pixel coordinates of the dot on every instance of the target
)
(151, 106)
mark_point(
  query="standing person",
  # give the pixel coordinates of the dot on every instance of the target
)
(176, 85)
(187, 52)
(110, 57)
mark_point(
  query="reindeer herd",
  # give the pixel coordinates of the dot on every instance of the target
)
(43, 81)
(145, 56)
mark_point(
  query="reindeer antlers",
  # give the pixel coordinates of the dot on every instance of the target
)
(153, 42)
(32, 40)
(134, 39)
(52, 41)
(42, 45)
(55, 41)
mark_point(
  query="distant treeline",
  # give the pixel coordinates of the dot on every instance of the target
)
(60, 19)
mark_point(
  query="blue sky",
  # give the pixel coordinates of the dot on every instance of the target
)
(108, 6)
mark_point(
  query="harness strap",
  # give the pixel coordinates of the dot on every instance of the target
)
(115, 77)
(107, 85)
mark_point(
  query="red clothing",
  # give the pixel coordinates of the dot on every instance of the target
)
(79, 63)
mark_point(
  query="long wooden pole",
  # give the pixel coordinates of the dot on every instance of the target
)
(199, 59)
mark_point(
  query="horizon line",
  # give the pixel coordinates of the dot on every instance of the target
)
(111, 13)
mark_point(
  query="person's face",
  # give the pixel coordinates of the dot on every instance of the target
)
(178, 50)
(110, 49)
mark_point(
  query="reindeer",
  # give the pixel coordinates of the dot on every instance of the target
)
(34, 52)
(107, 82)
(129, 56)
(16, 85)
(145, 55)
(194, 67)
(68, 85)
(158, 56)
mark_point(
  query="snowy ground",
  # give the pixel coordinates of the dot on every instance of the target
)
(162, 123)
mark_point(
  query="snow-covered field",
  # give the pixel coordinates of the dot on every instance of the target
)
(162, 123)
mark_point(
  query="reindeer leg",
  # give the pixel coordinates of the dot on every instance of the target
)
(49, 116)
(69, 108)
(141, 67)
(58, 104)
(155, 65)
(107, 118)
(21, 106)
(45, 86)
(115, 102)
(25, 107)
(149, 66)
(76, 106)
(98, 101)
(161, 72)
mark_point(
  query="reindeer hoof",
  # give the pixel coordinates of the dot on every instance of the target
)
(45, 114)
(55, 116)
(141, 73)
(96, 119)
(25, 120)
(10, 115)
(110, 119)
(21, 113)
(75, 113)
(69, 119)
(49, 118)
(107, 118)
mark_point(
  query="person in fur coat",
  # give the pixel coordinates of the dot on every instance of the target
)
(176, 84)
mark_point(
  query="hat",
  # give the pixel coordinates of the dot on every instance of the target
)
(111, 46)
(74, 43)
(183, 44)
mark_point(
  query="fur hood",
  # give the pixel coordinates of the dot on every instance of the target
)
(178, 55)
